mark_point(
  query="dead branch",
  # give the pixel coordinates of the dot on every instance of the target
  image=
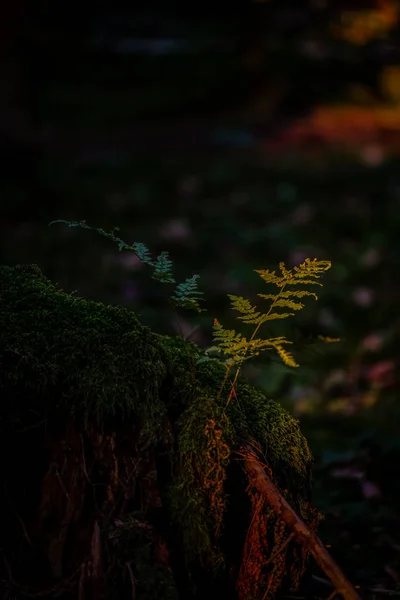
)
(262, 482)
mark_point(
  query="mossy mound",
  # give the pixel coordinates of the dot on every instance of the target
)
(120, 465)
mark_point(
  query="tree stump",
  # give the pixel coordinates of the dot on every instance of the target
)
(121, 471)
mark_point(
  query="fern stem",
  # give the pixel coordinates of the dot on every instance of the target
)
(232, 390)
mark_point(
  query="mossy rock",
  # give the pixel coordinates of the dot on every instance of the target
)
(119, 461)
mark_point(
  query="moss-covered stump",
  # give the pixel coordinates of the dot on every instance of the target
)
(120, 476)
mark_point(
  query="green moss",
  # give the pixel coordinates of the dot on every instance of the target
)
(66, 353)
(252, 418)
(61, 354)
(203, 457)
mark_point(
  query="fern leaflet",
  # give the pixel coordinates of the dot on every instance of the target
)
(163, 269)
(187, 294)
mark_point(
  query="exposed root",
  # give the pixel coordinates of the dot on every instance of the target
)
(262, 482)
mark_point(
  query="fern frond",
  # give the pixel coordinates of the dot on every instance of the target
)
(273, 316)
(138, 248)
(249, 314)
(280, 339)
(187, 294)
(328, 340)
(70, 223)
(288, 294)
(239, 349)
(241, 304)
(311, 269)
(295, 281)
(230, 343)
(163, 269)
(286, 356)
(285, 272)
(277, 343)
(141, 251)
(286, 303)
(270, 277)
(225, 338)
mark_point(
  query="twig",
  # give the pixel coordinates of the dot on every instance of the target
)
(260, 480)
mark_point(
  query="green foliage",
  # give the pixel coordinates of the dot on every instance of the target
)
(186, 295)
(163, 269)
(237, 347)
(138, 248)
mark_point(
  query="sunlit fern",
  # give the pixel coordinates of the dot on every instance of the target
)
(238, 348)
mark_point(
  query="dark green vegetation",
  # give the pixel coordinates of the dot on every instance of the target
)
(125, 450)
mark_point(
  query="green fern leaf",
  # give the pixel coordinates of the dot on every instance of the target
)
(280, 339)
(313, 267)
(225, 337)
(142, 252)
(256, 319)
(309, 268)
(163, 269)
(286, 356)
(187, 294)
(273, 316)
(229, 342)
(249, 314)
(270, 277)
(277, 343)
(241, 304)
(288, 294)
(286, 303)
(285, 272)
(303, 282)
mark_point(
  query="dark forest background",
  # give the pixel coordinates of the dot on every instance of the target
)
(233, 135)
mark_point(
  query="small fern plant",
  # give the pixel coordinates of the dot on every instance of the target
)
(236, 347)
(233, 345)
(186, 295)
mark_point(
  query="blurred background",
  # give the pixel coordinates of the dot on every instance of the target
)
(235, 136)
